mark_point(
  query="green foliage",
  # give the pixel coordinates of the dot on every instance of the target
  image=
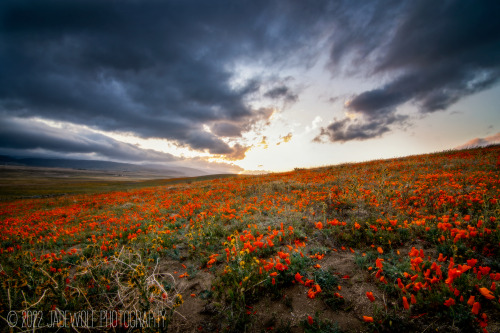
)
(320, 326)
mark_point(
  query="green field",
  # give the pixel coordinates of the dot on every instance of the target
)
(18, 182)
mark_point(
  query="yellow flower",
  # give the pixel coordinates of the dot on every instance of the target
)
(178, 299)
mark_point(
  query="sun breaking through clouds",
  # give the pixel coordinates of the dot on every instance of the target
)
(223, 79)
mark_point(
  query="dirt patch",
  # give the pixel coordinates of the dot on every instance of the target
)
(191, 316)
(289, 311)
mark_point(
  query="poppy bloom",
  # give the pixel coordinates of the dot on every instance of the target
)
(475, 308)
(471, 262)
(486, 293)
(370, 296)
(400, 284)
(379, 250)
(368, 319)
(449, 302)
(310, 320)
(471, 300)
(405, 303)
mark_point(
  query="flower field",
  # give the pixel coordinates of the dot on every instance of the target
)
(383, 246)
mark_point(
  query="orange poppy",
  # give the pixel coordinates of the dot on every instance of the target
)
(405, 303)
(475, 308)
(368, 319)
(486, 293)
(449, 302)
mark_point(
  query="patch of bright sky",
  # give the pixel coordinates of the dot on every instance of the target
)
(161, 145)
(473, 116)
(321, 99)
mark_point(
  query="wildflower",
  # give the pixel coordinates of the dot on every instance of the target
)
(449, 302)
(370, 296)
(441, 258)
(471, 262)
(486, 293)
(368, 319)
(308, 282)
(405, 303)
(379, 250)
(413, 300)
(310, 320)
(475, 308)
(471, 300)
(400, 284)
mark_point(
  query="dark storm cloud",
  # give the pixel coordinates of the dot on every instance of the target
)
(282, 92)
(159, 69)
(28, 136)
(435, 52)
(347, 130)
(168, 69)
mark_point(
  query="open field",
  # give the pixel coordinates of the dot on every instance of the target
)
(34, 182)
(410, 244)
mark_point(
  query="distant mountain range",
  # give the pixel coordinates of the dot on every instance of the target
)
(167, 171)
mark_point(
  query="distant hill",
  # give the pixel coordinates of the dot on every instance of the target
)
(167, 171)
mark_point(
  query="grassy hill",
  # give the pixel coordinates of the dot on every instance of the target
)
(26, 181)
(409, 244)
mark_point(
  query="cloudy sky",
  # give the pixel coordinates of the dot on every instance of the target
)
(247, 85)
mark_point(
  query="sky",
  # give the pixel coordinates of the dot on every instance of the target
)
(247, 86)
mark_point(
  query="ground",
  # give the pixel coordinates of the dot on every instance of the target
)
(302, 251)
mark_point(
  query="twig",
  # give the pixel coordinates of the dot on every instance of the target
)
(32, 305)
(429, 326)
(50, 277)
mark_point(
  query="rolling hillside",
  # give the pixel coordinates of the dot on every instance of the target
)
(409, 244)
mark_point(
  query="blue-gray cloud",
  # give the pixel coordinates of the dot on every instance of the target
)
(28, 137)
(166, 69)
(435, 52)
(158, 69)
